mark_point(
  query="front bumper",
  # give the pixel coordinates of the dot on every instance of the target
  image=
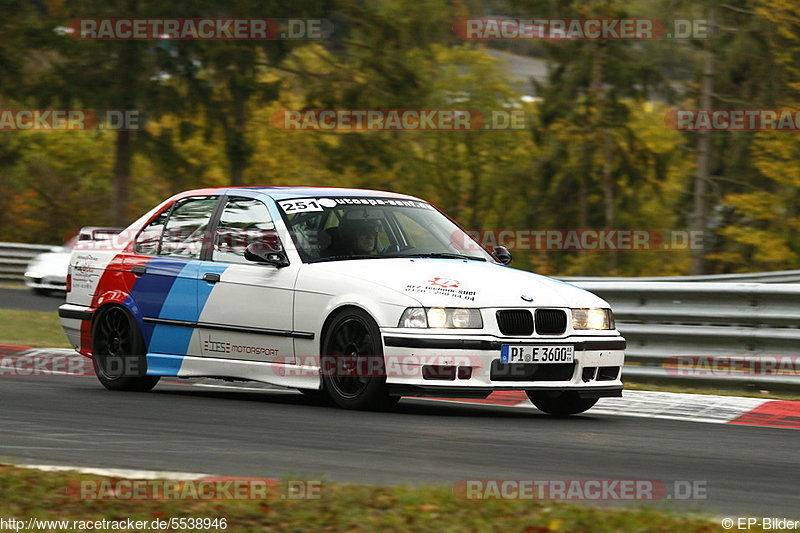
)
(433, 391)
(595, 372)
(44, 282)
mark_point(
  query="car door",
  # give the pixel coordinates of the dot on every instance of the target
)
(166, 286)
(246, 307)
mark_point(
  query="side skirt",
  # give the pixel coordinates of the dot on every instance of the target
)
(281, 374)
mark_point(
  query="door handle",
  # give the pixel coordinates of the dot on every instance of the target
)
(138, 270)
(211, 278)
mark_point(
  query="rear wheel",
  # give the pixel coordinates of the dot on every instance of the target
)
(561, 403)
(353, 369)
(119, 354)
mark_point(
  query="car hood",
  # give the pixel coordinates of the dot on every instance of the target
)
(464, 283)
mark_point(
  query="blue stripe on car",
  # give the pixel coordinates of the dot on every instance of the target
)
(150, 291)
(180, 304)
(160, 364)
(185, 301)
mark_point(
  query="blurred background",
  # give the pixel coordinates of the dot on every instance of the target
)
(595, 152)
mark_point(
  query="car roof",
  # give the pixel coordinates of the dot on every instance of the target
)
(281, 193)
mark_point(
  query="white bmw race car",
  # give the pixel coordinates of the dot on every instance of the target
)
(360, 296)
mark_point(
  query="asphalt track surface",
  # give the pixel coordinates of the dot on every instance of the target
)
(748, 471)
(25, 299)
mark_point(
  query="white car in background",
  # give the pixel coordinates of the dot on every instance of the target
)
(47, 272)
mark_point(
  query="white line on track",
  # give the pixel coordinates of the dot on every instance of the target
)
(123, 473)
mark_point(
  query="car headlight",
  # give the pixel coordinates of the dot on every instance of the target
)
(441, 317)
(592, 318)
(413, 317)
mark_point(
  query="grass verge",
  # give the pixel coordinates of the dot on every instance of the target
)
(28, 494)
(39, 329)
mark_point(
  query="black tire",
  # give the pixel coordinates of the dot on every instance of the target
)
(389, 401)
(560, 403)
(119, 353)
(321, 397)
(353, 368)
(316, 396)
(42, 292)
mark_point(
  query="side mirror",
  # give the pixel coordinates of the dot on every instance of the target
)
(502, 253)
(263, 253)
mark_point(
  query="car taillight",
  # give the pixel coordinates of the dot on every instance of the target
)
(69, 282)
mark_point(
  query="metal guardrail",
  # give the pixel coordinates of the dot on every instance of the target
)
(14, 258)
(778, 276)
(724, 326)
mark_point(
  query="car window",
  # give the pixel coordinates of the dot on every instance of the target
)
(243, 221)
(319, 234)
(307, 233)
(342, 228)
(415, 233)
(147, 241)
(187, 227)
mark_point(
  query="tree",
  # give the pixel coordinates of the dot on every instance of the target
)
(228, 80)
(763, 226)
(735, 67)
(106, 75)
(590, 154)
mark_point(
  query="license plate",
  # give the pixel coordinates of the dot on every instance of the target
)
(545, 354)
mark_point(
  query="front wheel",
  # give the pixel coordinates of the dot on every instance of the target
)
(353, 369)
(316, 396)
(560, 403)
(119, 354)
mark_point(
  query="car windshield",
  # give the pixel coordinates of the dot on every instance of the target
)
(337, 229)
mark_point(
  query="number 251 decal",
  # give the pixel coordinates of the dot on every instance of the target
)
(299, 206)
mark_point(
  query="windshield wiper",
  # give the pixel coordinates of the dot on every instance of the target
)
(444, 255)
(435, 255)
(345, 257)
